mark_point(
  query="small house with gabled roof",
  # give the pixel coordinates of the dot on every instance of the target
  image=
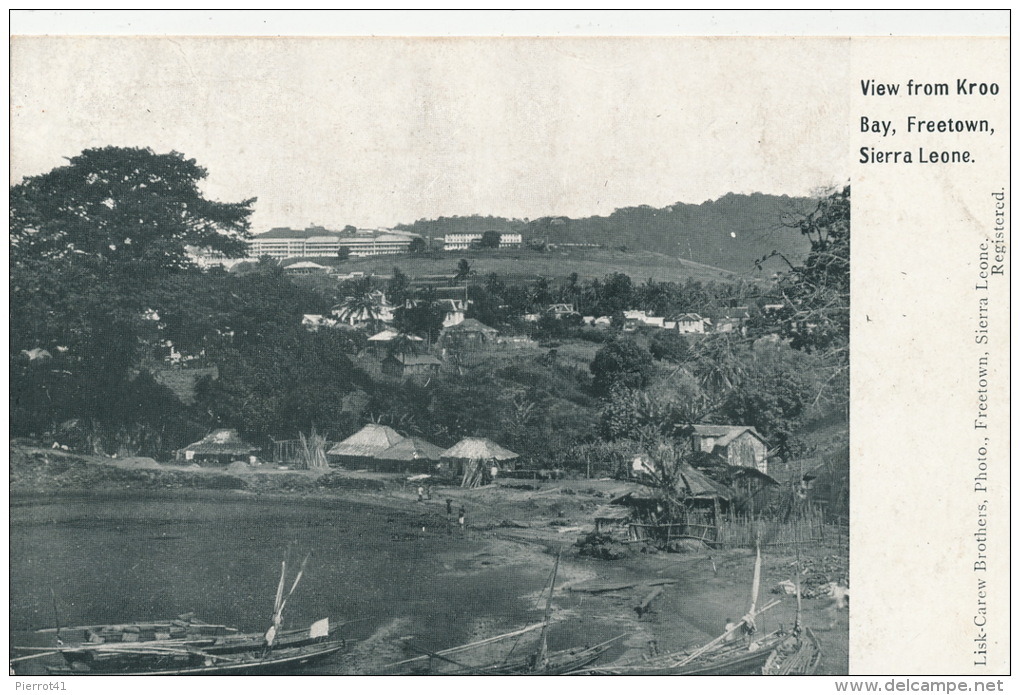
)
(409, 365)
(738, 445)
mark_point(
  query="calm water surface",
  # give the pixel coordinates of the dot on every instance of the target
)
(120, 556)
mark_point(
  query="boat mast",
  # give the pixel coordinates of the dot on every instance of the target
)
(540, 657)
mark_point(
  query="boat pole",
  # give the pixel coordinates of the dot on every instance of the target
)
(56, 616)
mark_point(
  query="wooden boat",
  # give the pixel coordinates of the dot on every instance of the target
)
(546, 663)
(184, 626)
(798, 655)
(727, 654)
(541, 662)
(555, 663)
(275, 651)
(732, 659)
(193, 661)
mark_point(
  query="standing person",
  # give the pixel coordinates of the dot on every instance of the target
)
(428, 492)
(460, 519)
(449, 506)
(421, 493)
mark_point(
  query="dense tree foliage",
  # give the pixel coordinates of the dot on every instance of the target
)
(816, 295)
(102, 292)
(490, 240)
(92, 245)
(127, 206)
(621, 363)
(290, 381)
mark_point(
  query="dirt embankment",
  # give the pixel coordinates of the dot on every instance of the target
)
(35, 470)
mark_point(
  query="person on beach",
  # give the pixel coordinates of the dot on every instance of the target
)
(421, 493)
(449, 506)
(460, 519)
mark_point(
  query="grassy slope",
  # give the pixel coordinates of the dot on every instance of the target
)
(526, 263)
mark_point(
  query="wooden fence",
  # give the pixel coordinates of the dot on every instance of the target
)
(742, 531)
(736, 531)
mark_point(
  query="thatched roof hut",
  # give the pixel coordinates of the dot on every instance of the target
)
(411, 454)
(478, 449)
(361, 448)
(221, 446)
(474, 458)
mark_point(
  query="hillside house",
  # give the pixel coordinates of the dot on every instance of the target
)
(467, 335)
(454, 311)
(561, 310)
(738, 445)
(691, 323)
(636, 318)
(733, 321)
(314, 322)
(381, 340)
(381, 310)
(404, 365)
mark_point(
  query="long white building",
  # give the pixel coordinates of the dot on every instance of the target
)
(460, 241)
(318, 242)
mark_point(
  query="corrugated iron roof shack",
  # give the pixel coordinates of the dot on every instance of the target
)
(360, 449)
(218, 447)
(476, 460)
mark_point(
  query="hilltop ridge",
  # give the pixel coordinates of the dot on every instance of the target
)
(730, 233)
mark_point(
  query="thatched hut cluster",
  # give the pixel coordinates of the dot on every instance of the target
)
(475, 460)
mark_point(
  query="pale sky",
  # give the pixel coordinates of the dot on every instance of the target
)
(374, 132)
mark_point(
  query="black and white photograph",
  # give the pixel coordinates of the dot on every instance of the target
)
(462, 355)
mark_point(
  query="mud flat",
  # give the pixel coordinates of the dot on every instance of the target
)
(402, 574)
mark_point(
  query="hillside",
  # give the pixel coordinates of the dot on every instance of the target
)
(729, 233)
(528, 264)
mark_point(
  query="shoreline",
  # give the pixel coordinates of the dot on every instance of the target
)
(511, 535)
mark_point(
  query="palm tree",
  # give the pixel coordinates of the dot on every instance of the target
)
(463, 271)
(361, 308)
(402, 344)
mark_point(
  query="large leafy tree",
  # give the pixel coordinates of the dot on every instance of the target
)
(816, 294)
(90, 243)
(124, 205)
(290, 381)
(621, 363)
(490, 240)
(423, 318)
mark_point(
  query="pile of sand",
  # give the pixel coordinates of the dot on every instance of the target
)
(239, 468)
